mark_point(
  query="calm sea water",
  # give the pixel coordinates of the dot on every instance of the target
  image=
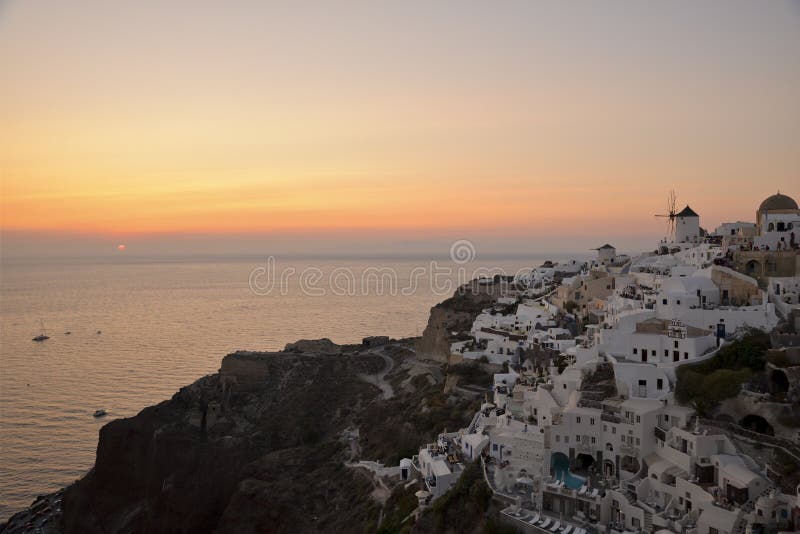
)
(164, 324)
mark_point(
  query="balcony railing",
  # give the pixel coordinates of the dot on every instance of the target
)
(610, 418)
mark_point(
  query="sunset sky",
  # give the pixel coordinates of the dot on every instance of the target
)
(334, 127)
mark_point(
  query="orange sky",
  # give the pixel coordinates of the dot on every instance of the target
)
(230, 118)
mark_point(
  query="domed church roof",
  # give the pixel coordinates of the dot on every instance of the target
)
(778, 202)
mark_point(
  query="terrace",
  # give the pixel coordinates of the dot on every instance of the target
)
(543, 522)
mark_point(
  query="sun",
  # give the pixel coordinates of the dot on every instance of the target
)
(121, 248)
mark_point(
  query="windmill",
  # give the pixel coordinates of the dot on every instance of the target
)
(670, 216)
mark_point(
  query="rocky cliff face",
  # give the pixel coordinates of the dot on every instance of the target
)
(267, 443)
(251, 449)
(455, 314)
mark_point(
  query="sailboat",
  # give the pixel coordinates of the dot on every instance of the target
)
(43, 335)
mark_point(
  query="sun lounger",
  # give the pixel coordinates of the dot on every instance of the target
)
(579, 531)
(545, 523)
(567, 529)
(594, 493)
(583, 489)
(534, 519)
(556, 526)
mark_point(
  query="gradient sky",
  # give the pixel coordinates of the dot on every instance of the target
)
(194, 126)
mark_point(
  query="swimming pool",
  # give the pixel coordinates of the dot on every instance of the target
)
(559, 467)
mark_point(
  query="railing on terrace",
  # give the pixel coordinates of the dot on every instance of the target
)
(609, 418)
(590, 403)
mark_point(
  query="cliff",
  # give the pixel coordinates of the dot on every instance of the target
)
(252, 448)
(267, 444)
(456, 314)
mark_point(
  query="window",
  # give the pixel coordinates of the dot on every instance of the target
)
(635, 350)
(578, 420)
(678, 302)
(685, 355)
(664, 302)
(605, 428)
(577, 439)
(638, 418)
(666, 352)
(592, 440)
(566, 439)
(591, 420)
(558, 438)
(638, 442)
(666, 417)
(675, 344)
(494, 445)
(613, 430)
(659, 383)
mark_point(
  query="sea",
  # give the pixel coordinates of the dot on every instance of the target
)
(127, 332)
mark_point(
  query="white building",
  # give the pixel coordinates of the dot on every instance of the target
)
(777, 222)
(434, 463)
(687, 226)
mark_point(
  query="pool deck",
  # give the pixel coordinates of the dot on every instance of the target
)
(544, 522)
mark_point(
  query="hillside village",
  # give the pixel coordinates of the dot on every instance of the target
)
(648, 393)
(643, 393)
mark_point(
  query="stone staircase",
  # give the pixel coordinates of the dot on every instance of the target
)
(474, 423)
(630, 497)
(648, 523)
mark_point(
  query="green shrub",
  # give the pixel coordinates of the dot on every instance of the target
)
(708, 383)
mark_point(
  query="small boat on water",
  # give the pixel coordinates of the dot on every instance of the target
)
(43, 335)
(100, 413)
(67, 333)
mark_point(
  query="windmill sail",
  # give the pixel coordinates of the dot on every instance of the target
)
(670, 215)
